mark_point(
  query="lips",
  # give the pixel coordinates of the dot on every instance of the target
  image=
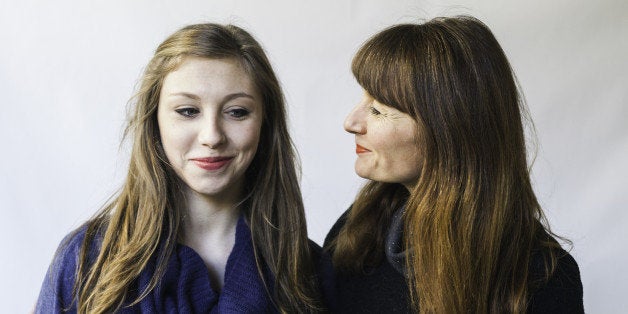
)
(359, 149)
(212, 163)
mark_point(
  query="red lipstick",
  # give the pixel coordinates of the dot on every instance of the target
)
(359, 149)
(212, 163)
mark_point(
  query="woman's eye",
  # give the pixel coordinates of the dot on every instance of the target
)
(187, 112)
(375, 111)
(238, 113)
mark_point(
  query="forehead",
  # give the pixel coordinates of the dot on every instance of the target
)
(205, 75)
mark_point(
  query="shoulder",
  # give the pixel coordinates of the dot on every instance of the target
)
(379, 289)
(58, 284)
(335, 229)
(562, 293)
(68, 251)
(325, 273)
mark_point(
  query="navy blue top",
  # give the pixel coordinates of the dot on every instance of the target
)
(184, 288)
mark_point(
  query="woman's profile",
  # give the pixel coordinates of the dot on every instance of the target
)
(210, 216)
(448, 221)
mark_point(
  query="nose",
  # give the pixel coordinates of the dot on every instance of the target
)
(354, 122)
(211, 134)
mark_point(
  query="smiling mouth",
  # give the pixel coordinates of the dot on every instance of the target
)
(212, 163)
(359, 149)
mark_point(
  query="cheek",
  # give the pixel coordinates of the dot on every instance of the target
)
(174, 140)
(404, 150)
(247, 138)
(389, 146)
(410, 158)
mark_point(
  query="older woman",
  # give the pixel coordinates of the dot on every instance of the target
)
(448, 222)
(210, 217)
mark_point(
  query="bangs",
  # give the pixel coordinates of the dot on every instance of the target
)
(386, 67)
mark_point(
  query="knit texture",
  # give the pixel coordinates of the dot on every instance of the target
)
(395, 253)
(184, 288)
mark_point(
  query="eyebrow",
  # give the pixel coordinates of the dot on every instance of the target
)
(226, 99)
(184, 94)
(237, 95)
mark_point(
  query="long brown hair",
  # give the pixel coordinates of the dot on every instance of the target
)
(472, 222)
(144, 220)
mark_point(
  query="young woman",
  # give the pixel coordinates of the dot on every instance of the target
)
(210, 217)
(448, 222)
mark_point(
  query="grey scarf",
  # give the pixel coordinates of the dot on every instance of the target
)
(395, 254)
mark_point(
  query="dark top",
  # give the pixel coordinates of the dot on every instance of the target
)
(184, 288)
(383, 289)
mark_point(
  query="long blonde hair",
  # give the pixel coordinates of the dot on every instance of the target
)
(144, 220)
(472, 222)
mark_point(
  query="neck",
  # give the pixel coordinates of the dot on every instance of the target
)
(409, 185)
(207, 215)
(209, 228)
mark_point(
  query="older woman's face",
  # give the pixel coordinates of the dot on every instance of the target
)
(385, 141)
(210, 117)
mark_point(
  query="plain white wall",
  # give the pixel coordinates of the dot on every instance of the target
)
(68, 68)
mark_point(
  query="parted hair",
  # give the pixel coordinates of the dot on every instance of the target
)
(144, 219)
(472, 222)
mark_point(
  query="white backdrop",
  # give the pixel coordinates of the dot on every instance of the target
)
(67, 69)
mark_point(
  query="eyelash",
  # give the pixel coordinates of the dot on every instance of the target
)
(237, 113)
(375, 112)
(187, 112)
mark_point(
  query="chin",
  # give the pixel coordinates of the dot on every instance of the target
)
(207, 192)
(208, 189)
(363, 174)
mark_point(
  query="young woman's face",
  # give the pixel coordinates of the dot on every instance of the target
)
(210, 118)
(385, 141)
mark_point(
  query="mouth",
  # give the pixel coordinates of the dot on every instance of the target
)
(212, 163)
(360, 150)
